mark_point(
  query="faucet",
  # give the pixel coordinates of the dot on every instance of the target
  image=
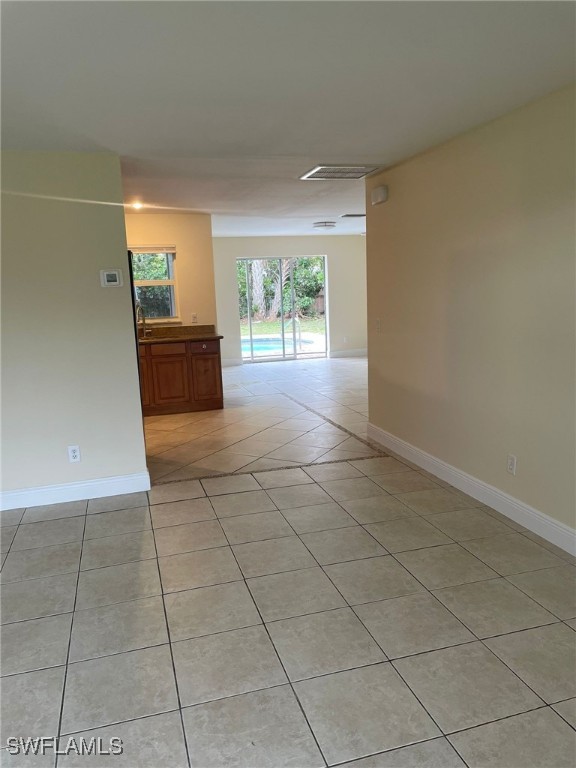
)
(141, 316)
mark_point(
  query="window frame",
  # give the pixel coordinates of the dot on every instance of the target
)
(173, 281)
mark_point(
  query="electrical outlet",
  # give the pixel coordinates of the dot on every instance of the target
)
(73, 454)
(511, 464)
(194, 317)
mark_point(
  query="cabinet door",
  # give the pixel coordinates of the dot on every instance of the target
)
(145, 393)
(207, 377)
(170, 380)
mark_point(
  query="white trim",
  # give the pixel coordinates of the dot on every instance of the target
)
(349, 353)
(152, 248)
(89, 489)
(536, 521)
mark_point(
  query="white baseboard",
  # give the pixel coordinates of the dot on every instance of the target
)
(349, 353)
(538, 522)
(89, 489)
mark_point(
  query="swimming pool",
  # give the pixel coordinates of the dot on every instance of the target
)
(272, 346)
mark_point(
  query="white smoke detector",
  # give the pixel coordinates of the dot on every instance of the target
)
(379, 195)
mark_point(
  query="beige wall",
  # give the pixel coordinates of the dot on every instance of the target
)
(471, 271)
(346, 278)
(69, 368)
(191, 233)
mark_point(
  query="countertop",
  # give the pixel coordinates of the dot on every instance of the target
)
(163, 334)
(180, 337)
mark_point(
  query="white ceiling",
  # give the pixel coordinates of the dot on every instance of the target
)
(220, 107)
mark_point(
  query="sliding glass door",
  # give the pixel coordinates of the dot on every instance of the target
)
(282, 307)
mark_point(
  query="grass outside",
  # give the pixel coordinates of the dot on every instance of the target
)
(273, 327)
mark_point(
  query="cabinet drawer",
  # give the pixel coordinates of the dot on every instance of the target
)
(173, 348)
(204, 347)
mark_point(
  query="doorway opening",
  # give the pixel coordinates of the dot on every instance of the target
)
(282, 307)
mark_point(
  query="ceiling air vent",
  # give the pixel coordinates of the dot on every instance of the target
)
(353, 216)
(338, 172)
(324, 224)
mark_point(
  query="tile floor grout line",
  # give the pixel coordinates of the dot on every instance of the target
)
(426, 591)
(275, 621)
(65, 679)
(289, 682)
(89, 570)
(339, 426)
(47, 546)
(5, 555)
(431, 592)
(515, 573)
(344, 763)
(441, 730)
(304, 409)
(429, 519)
(533, 598)
(122, 722)
(516, 674)
(457, 751)
(526, 533)
(35, 618)
(351, 607)
(387, 554)
(447, 734)
(176, 686)
(240, 693)
(551, 706)
(384, 652)
(479, 639)
(304, 466)
(52, 520)
(244, 438)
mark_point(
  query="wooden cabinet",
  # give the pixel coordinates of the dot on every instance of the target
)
(170, 380)
(207, 377)
(145, 389)
(180, 376)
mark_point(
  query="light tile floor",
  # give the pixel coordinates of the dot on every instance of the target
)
(359, 613)
(275, 415)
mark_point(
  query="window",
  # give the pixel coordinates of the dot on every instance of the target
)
(155, 282)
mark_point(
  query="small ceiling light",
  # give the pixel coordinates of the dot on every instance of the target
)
(324, 224)
(137, 206)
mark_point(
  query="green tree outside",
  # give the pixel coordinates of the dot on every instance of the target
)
(270, 281)
(156, 300)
